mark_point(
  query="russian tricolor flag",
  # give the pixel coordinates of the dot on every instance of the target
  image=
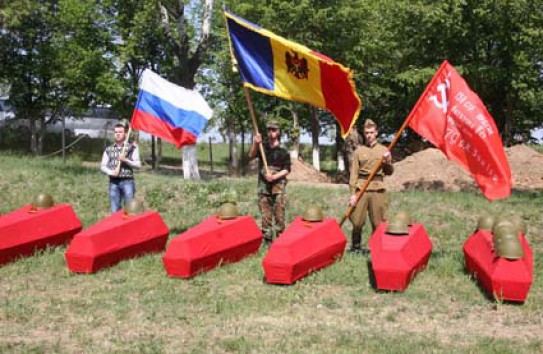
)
(169, 111)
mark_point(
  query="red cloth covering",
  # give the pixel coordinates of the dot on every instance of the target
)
(116, 238)
(304, 247)
(501, 278)
(211, 243)
(396, 259)
(24, 231)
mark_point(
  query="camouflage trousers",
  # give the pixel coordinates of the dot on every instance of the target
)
(374, 203)
(272, 206)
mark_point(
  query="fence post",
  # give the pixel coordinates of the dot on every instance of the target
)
(210, 155)
(64, 139)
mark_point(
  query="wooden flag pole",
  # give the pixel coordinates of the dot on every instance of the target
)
(247, 97)
(123, 150)
(375, 170)
(255, 128)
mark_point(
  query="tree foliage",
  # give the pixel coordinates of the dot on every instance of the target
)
(54, 56)
(64, 55)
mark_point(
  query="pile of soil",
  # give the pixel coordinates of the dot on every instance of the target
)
(429, 169)
(302, 171)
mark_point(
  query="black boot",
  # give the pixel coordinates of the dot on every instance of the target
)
(355, 241)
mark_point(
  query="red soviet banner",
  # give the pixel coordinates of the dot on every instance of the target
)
(453, 118)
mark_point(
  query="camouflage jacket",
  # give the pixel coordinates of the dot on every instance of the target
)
(278, 159)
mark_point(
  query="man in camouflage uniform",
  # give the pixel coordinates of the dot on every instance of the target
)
(272, 185)
(374, 200)
(120, 168)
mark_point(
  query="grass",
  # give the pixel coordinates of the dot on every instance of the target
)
(135, 307)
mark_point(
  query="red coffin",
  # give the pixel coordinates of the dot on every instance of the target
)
(114, 239)
(24, 231)
(501, 278)
(396, 259)
(304, 247)
(211, 243)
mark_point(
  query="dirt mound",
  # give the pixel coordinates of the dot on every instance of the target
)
(301, 171)
(430, 169)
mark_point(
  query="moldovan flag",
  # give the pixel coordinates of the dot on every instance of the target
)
(169, 111)
(453, 118)
(276, 66)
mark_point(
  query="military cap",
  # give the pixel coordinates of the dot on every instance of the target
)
(272, 124)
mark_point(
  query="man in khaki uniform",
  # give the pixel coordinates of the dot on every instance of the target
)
(374, 200)
(272, 185)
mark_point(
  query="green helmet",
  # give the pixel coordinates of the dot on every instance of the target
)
(313, 213)
(42, 201)
(485, 222)
(134, 207)
(405, 216)
(503, 232)
(510, 248)
(500, 221)
(519, 223)
(229, 196)
(228, 211)
(397, 226)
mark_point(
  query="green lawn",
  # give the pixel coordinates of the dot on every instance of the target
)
(135, 307)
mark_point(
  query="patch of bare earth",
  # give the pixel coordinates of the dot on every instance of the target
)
(430, 170)
(302, 171)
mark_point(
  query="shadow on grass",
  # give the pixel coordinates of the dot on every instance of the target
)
(177, 230)
(371, 276)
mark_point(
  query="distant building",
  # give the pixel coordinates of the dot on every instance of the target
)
(96, 122)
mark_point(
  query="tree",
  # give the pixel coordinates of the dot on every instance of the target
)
(53, 57)
(188, 57)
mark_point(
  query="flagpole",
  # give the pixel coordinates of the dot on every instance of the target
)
(247, 97)
(255, 127)
(391, 145)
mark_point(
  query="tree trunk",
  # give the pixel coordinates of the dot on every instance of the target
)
(233, 154)
(315, 139)
(352, 142)
(295, 151)
(190, 162)
(340, 151)
(188, 61)
(33, 135)
(243, 151)
(41, 136)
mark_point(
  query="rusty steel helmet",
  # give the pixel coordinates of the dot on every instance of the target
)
(485, 222)
(134, 207)
(519, 223)
(313, 213)
(405, 216)
(397, 226)
(228, 211)
(510, 248)
(42, 201)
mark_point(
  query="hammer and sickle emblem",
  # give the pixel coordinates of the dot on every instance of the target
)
(442, 88)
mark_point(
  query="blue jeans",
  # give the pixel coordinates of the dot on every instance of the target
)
(120, 190)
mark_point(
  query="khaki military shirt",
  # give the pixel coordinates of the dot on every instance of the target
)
(364, 161)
